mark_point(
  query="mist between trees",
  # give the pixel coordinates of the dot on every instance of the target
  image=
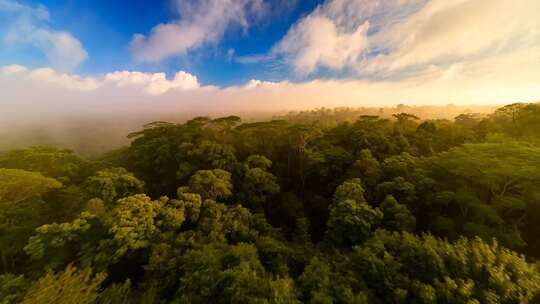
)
(92, 134)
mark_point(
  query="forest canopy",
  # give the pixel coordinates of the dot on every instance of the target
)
(312, 207)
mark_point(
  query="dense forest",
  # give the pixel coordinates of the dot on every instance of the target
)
(308, 208)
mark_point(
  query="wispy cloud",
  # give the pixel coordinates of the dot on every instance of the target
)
(391, 38)
(255, 58)
(200, 23)
(30, 26)
(11, 6)
(317, 42)
(335, 35)
(447, 32)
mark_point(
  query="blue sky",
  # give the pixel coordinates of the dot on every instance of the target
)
(106, 28)
(239, 55)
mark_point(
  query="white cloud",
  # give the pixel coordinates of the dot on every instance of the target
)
(28, 26)
(316, 42)
(445, 32)
(154, 84)
(201, 22)
(68, 81)
(335, 34)
(42, 78)
(150, 83)
(407, 36)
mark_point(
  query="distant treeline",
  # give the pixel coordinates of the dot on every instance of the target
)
(92, 136)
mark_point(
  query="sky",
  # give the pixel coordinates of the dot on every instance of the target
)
(100, 57)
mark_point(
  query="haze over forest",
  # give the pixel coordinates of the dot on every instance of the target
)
(92, 136)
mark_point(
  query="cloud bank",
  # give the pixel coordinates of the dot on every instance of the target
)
(40, 94)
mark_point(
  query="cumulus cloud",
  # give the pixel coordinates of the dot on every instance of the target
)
(390, 38)
(29, 26)
(154, 84)
(335, 34)
(43, 77)
(200, 23)
(149, 83)
(317, 42)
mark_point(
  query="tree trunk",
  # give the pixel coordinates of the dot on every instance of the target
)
(4, 260)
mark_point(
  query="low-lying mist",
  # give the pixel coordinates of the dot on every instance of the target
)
(94, 114)
(94, 134)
